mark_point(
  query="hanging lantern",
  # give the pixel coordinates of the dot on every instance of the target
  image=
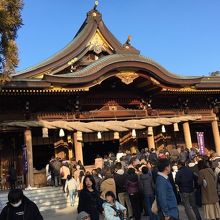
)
(45, 132)
(133, 133)
(79, 136)
(150, 131)
(116, 135)
(99, 135)
(176, 127)
(61, 133)
(163, 129)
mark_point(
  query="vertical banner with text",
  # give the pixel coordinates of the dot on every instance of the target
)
(24, 158)
(201, 142)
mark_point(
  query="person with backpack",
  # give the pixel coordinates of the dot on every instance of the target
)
(56, 165)
(113, 210)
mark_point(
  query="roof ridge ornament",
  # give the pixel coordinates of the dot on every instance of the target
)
(96, 5)
(127, 43)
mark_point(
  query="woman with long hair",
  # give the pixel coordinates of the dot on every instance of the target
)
(89, 200)
(210, 198)
(80, 180)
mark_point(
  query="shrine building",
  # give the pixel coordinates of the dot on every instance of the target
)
(97, 96)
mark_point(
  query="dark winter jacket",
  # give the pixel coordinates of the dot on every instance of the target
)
(27, 210)
(91, 203)
(132, 184)
(147, 184)
(56, 167)
(185, 180)
(120, 179)
(152, 157)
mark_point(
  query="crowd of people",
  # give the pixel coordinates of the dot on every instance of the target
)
(150, 183)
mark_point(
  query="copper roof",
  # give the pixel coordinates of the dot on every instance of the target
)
(121, 57)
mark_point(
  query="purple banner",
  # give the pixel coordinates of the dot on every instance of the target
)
(24, 159)
(201, 142)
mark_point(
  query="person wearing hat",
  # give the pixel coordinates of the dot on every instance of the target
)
(83, 216)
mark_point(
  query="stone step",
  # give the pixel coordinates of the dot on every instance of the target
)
(47, 198)
(53, 200)
(31, 195)
(42, 190)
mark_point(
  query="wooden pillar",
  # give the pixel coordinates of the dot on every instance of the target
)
(215, 131)
(187, 135)
(78, 148)
(28, 142)
(150, 140)
(70, 153)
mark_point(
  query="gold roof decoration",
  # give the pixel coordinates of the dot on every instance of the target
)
(71, 62)
(98, 43)
(127, 77)
(154, 81)
(40, 75)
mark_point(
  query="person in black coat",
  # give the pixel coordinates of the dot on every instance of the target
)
(185, 179)
(89, 199)
(132, 187)
(19, 207)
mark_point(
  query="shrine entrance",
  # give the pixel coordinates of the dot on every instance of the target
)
(92, 149)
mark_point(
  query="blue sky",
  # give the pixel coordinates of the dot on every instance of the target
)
(182, 35)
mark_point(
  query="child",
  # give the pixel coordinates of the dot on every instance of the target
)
(71, 185)
(113, 210)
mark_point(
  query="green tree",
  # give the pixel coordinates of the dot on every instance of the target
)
(10, 22)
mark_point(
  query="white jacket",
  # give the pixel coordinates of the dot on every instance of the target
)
(71, 185)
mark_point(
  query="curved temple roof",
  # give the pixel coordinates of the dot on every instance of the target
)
(118, 57)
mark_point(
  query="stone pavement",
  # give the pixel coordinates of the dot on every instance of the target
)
(69, 213)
